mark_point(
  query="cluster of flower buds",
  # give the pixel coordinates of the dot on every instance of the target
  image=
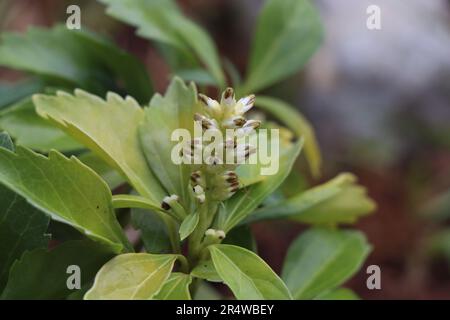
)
(216, 178)
(227, 114)
(225, 185)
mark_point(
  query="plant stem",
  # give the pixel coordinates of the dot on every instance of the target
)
(197, 235)
(184, 264)
(173, 234)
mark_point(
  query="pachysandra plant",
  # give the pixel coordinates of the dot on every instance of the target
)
(106, 167)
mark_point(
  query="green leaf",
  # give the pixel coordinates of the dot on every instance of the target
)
(188, 225)
(42, 274)
(175, 288)
(290, 117)
(132, 276)
(133, 201)
(154, 232)
(22, 227)
(109, 128)
(205, 270)
(288, 32)
(339, 200)
(164, 22)
(65, 189)
(247, 275)
(294, 184)
(180, 59)
(75, 58)
(339, 294)
(150, 17)
(200, 77)
(6, 142)
(127, 69)
(174, 110)
(201, 44)
(11, 93)
(245, 201)
(348, 204)
(29, 130)
(322, 259)
(111, 176)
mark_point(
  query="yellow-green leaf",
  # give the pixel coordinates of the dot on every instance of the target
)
(111, 176)
(340, 200)
(246, 200)
(188, 225)
(205, 270)
(66, 189)
(175, 288)
(133, 276)
(134, 201)
(247, 275)
(174, 110)
(109, 128)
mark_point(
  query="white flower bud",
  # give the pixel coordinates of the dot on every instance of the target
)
(228, 100)
(245, 104)
(168, 202)
(234, 122)
(212, 106)
(205, 122)
(252, 124)
(220, 234)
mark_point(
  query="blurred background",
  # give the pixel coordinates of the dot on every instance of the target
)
(379, 101)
